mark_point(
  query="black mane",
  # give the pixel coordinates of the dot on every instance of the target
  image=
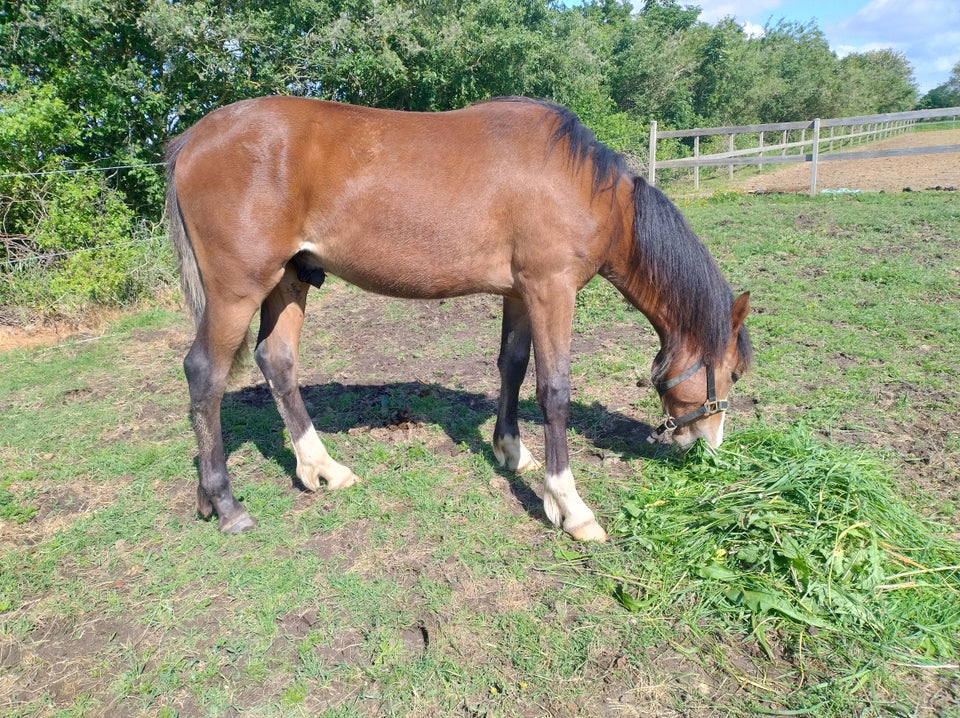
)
(674, 265)
(682, 273)
(583, 146)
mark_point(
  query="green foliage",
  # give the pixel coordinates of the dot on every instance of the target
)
(80, 212)
(34, 122)
(945, 95)
(104, 83)
(781, 531)
(85, 248)
(878, 81)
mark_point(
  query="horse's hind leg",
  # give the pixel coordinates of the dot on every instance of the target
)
(512, 363)
(220, 335)
(277, 355)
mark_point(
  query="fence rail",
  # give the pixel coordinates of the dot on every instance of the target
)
(859, 129)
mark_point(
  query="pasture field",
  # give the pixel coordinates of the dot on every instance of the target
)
(811, 567)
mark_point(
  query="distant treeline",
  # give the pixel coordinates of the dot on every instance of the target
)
(105, 82)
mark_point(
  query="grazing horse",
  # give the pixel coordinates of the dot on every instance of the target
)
(514, 197)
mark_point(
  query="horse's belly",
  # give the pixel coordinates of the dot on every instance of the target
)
(413, 271)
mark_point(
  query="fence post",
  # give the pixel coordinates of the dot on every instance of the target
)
(760, 166)
(815, 157)
(732, 146)
(652, 164)
(696, 168)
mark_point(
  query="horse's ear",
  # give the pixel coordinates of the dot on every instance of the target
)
(741, 307)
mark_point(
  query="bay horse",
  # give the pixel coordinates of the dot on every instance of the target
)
(513, 196)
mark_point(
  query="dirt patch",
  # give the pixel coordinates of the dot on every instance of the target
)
(22, 332)
(61, 659)
(882, 174)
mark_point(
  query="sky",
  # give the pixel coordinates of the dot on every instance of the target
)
(927, 32)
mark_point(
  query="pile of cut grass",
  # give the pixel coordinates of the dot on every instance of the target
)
(804, 541)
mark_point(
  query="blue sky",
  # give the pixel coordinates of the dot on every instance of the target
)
(927, 32)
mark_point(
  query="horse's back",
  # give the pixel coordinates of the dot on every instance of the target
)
(411, 204)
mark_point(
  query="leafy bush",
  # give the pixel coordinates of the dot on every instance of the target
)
(78, 245)
(79, 211)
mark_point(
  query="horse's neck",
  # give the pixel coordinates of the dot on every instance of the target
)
(634, 281)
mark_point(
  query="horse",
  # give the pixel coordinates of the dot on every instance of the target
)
(513, 197)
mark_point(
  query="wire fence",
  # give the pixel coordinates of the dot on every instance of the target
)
(48, 257)
(106, 257)
(19, 250)
(77, 170)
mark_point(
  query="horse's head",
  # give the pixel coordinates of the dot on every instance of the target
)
(694, 391)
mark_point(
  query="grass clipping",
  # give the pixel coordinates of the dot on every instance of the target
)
(794, 536)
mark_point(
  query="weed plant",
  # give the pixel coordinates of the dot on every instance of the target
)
(788, 534)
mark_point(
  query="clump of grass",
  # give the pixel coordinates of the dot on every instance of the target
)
(796, 538)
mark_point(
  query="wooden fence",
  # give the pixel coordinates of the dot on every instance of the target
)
(792, 143)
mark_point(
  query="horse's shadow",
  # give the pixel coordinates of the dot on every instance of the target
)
(250, 414)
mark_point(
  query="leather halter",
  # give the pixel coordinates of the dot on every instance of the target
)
(710, 407)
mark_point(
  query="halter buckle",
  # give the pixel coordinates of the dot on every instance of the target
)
(715, 406)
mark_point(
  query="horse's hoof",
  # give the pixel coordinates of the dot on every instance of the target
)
(526, 463)
(343, 482)
(238, 524)
(310, 483)
(589, 531)
(513, 455)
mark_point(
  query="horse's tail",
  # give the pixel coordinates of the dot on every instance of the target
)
(191, 280)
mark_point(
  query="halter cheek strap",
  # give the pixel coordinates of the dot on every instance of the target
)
(710, 407)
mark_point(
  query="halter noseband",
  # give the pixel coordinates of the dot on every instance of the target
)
(710, 407)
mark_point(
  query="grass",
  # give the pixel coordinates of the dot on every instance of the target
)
(799, 537)
(807, 568)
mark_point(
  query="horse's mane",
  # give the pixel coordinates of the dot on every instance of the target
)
(679, 269)
(583, 147)
(674, 265)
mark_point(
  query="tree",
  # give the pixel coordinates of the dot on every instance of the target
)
(652, 63)
(726, 64)
(798, 74)
(877, 81)
(945, 95)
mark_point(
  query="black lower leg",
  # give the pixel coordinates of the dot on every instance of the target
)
(553, 396)
(512, 362)
(214, 493)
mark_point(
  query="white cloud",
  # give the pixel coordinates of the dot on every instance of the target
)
(927, 32)
(752, 29)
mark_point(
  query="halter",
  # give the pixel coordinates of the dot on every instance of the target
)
(710, 407)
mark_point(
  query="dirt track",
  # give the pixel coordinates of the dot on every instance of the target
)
(886, 174)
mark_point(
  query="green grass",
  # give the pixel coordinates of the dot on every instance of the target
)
(807, 568)
(792, 535)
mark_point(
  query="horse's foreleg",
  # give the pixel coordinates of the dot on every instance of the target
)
(207, 366)
(512, 363)
(277, 355)
(551, 322)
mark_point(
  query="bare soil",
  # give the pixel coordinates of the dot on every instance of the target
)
(882, 174)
